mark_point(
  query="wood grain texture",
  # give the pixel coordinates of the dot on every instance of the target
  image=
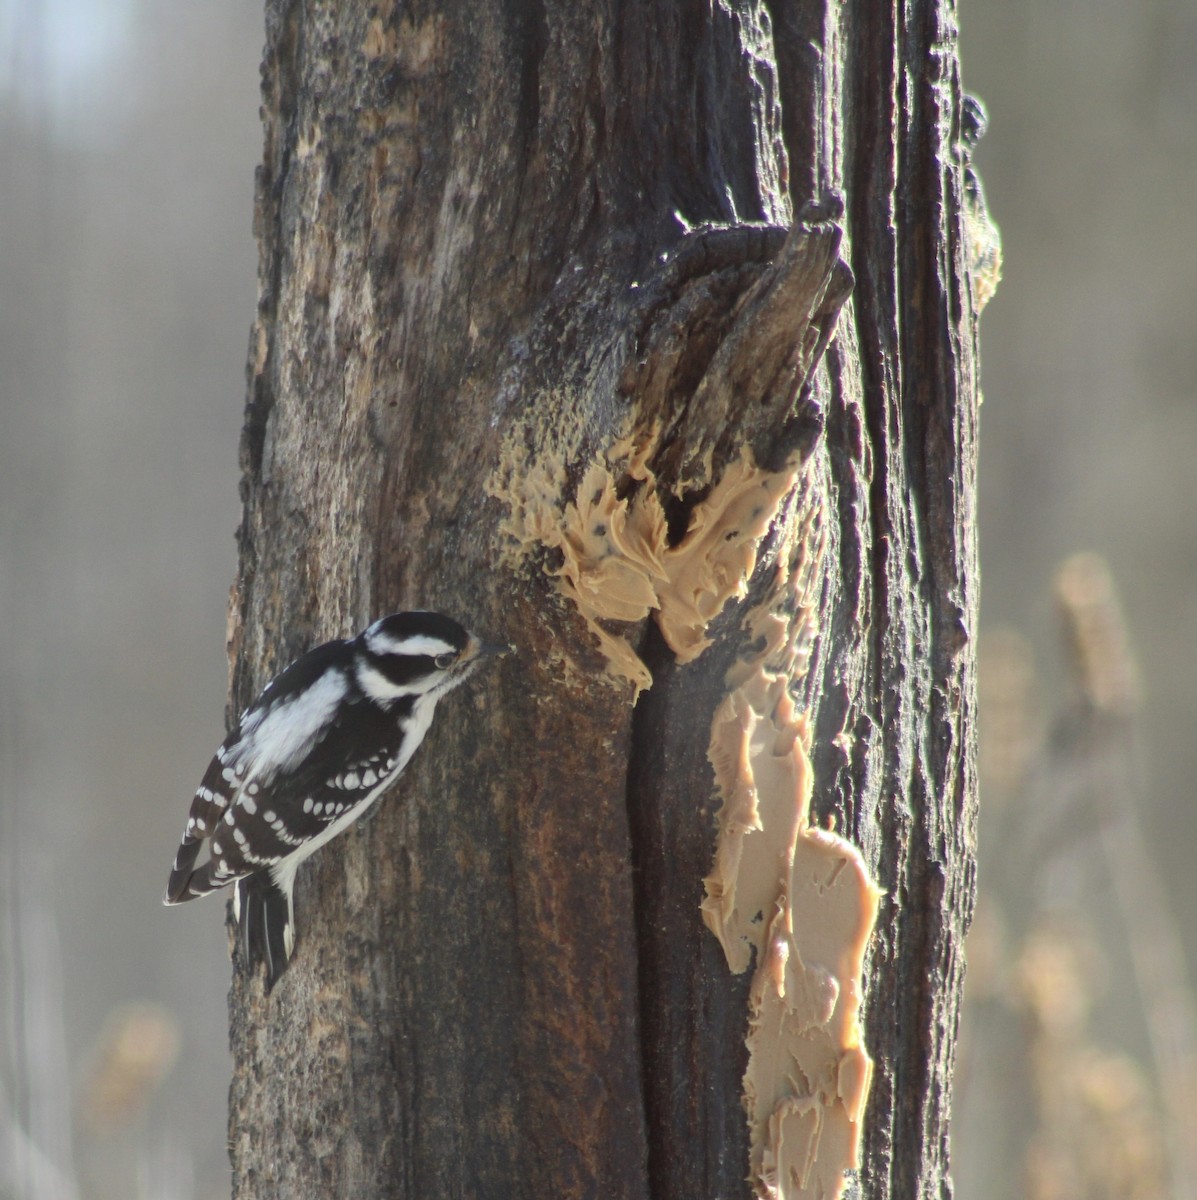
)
(478, 218)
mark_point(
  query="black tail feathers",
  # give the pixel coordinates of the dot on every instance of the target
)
(266, 923)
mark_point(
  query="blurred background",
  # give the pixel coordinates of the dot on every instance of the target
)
(128, 136)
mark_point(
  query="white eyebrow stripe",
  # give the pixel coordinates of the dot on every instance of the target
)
(381, 643)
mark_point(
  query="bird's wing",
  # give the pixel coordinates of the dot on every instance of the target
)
(256, 811)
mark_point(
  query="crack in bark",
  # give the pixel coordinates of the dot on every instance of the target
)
(642, 805)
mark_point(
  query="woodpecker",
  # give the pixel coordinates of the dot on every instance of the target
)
(309, 757)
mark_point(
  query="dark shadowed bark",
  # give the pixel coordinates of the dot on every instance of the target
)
(501, 243)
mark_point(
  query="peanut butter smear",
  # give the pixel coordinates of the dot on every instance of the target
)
(794, 903)
(618, 565)
(796, 900)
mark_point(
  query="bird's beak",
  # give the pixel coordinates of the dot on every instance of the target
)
(493, 650)
(478, 649)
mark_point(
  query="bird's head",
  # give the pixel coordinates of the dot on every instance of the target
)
(419, 654)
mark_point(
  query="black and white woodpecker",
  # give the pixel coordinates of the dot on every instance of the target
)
(309, 757)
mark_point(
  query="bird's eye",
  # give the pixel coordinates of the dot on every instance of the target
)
(445, 661)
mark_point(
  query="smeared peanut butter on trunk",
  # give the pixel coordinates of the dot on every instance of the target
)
(618, 565)
(798, 898)
(795, 903)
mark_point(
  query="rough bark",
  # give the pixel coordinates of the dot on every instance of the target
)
(489, 224)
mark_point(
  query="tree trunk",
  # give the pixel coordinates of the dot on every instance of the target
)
(554, 336)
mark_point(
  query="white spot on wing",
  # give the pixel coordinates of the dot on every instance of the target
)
(285, 835)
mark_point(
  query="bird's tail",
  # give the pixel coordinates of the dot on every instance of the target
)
(266, 921)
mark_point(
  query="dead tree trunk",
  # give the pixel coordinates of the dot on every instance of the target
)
(557, 334)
